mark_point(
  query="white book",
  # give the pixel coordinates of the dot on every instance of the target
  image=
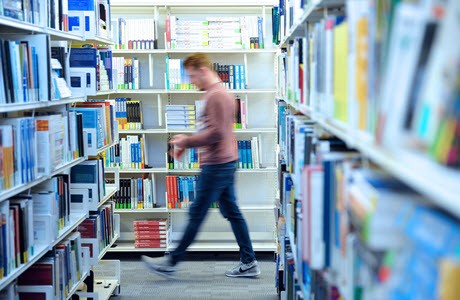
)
(405, 45)
(255, 153)
(317, 245)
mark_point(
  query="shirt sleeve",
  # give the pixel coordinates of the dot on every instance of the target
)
(213, 131)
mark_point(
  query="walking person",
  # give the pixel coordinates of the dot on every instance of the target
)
(216, 181)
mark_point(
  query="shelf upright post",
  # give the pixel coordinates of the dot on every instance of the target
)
(160, 111)
(151, 69)
(245, 56)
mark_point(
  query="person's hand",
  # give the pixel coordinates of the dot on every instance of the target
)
(176, 152)
(179, 140)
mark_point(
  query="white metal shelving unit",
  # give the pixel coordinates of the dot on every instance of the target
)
(259, 96)
(12, 25)
(438, 183)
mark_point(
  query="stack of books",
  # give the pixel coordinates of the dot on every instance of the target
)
(152, 233)
(180, 116)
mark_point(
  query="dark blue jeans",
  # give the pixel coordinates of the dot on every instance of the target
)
(216, 183)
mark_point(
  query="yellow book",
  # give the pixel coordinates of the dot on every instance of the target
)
(361, 70)
(340, 71)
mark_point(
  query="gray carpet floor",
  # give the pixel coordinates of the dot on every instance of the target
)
(201, 276)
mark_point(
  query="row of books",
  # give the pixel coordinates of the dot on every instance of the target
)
(97, 231)
(151, 233)
(54, 275)
(244, 32)
(180, 191)
(23, 57)
(98, 122)
(92, 69)
(87, 186)
(32, 147)
(135, 34)
(128, 70)
(135, 193)
(19, 80)
(84, 17)
(32, 219)
(248, 156)
(190, 159)
(248, 153)
(351, 219)
(128, 113)
(349, 73)
(233, 76)
(131, 152)
(176, 76)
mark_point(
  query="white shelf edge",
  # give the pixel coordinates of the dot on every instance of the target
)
(67, 166)
(165, 91)
(227, 246)
(212, 210)
(63, 34)
(21, 188)
(12, 107)
(440, 187)
(18, 24)
(263, 170)
(241, 4)
(143, 131)
(103, 93)
(111, 190)
(105, 293)
(99, 39)
(246, 91)
(42, 250)
(146, 210)
(142, 91)
(151, 170)
(204, 50)
(74, 289)
(129, 247)
(104, 251)
(139, 51)
(241, 131)
(102, 149)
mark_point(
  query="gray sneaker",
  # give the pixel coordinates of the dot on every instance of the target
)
(244, 270)
(160, 266)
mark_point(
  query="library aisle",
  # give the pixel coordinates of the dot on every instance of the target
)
(200, 277)
(346, 129)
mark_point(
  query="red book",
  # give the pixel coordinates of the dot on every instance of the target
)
(40, 273)
(149, 244)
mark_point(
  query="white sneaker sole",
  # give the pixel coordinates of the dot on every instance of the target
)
(254, 274)
(153, 267)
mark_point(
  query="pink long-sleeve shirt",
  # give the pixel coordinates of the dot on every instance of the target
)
(216, 138)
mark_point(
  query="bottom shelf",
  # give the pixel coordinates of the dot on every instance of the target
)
(129, 247)
(73, 290)
(104, 288)
(197, 247)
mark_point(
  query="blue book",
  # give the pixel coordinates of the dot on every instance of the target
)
(191, 190)
(83, 58)
(242, 77)
(81, 5)
(260, 32)
(240, 154)
(328, 209)
(249, 154)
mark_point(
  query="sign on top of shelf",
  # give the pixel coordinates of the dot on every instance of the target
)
(190, 3)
